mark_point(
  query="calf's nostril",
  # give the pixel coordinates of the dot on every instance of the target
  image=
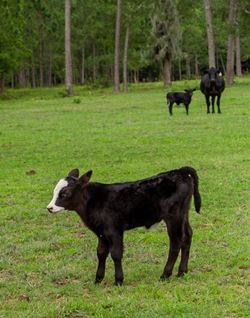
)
(50, 209)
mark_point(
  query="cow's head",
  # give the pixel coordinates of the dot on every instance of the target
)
(213, 73)
(68, 191)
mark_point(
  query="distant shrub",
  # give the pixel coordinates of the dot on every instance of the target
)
(76, 100)
(101, 82)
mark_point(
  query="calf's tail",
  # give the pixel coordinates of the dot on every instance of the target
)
(197, 198)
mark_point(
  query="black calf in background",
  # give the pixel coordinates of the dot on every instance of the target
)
(180, 98)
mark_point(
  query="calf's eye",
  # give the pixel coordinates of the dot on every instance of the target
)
(64, 194)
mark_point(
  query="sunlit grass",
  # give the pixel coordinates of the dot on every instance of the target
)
(48, 263)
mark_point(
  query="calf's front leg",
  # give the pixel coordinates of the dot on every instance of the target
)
(116, 251)
(208, 104)
(170, 108)
(102, 253)
(187, 107)
(218, 104)
(213, 100)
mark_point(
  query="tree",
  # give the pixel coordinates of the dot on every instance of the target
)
(12, 47)
(238, 56)
(68, 58)
(231, 42)
(117, 47)
(125, 61)
(193, 43)
(210, 33)
(167, 35)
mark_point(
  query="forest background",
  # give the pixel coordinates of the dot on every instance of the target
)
(157, 40)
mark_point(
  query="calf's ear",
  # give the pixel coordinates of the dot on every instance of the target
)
(84, 179)
(74, 173)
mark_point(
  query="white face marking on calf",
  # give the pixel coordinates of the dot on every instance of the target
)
(52, 206)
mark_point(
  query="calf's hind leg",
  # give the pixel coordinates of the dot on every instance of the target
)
(174, 228)
(185, 249)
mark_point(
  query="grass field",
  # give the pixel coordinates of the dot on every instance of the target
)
(48, 262)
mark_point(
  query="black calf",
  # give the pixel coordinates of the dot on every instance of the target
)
(110, 209)
(178, 98)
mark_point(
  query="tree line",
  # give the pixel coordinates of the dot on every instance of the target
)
(48, 42)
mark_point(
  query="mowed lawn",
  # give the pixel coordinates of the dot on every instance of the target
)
(48, 262)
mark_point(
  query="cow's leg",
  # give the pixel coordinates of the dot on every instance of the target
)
(218, 104)
(170, 108)
(174, 228)
(116, 251)
(102, 253)
(208, 104)
(185, 248)
(213, 99)
(187, 107)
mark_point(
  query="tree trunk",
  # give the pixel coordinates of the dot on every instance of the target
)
(179, 69)
(117, 47)
(41, 58)
(125, 61)
(94, 64)
(1, 83)
(82, 67)
(167, 71)
(49, 79)
(238, 56)
(12, 80)
(188, 70)
(196, 66)
(231, 42)
(21, 78)
(210, 33)
(68, 58)
(33, 72)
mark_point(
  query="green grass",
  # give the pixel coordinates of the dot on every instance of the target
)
(48, 262)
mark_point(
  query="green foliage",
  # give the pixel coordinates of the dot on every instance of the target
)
(12, 48)
(32, 37)
(48, 263)
(77, 100)
(166, 29)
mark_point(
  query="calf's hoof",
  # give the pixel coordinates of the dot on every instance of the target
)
(118, 282)
(181, 273)
(165, 276)
(98, 280)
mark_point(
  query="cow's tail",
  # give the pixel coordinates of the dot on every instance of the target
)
(197, 198)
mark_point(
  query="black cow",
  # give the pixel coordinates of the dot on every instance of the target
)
(110, 209)
(178, 98)
(212, 84)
